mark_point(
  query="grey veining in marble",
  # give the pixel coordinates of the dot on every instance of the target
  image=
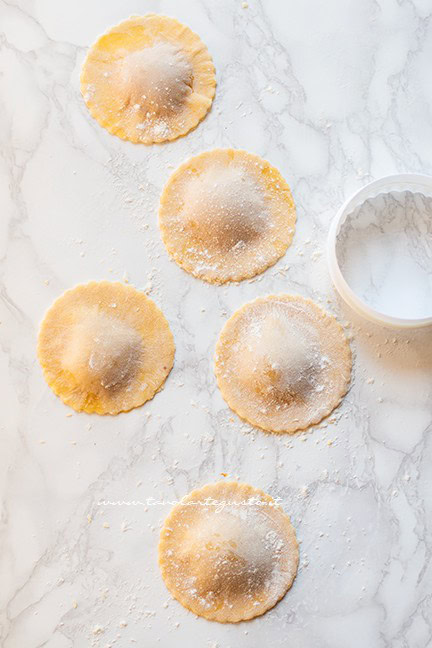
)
(334, 94)
(384, 251)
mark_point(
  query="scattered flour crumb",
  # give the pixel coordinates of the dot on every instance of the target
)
(98, 629)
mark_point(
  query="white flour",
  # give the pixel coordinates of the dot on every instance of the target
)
(384, 250)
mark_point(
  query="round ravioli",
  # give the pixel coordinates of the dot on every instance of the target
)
(226, 215)
(105, 348)
(148, 79)
(282, 363)
(228, 552)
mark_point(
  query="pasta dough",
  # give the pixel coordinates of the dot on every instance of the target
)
(227, 552)
(105, 348)
(226, 215)
(149, 79)
(282, 363)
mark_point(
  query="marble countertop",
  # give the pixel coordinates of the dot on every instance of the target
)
(334, 94)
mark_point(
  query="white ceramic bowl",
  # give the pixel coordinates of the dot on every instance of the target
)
(416, 183)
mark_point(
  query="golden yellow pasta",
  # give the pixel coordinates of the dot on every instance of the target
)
(105, 348)
(228, 552)
(148, 79)
(282, 363)
(226, 215)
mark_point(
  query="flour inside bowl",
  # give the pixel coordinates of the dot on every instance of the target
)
(384, 250)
